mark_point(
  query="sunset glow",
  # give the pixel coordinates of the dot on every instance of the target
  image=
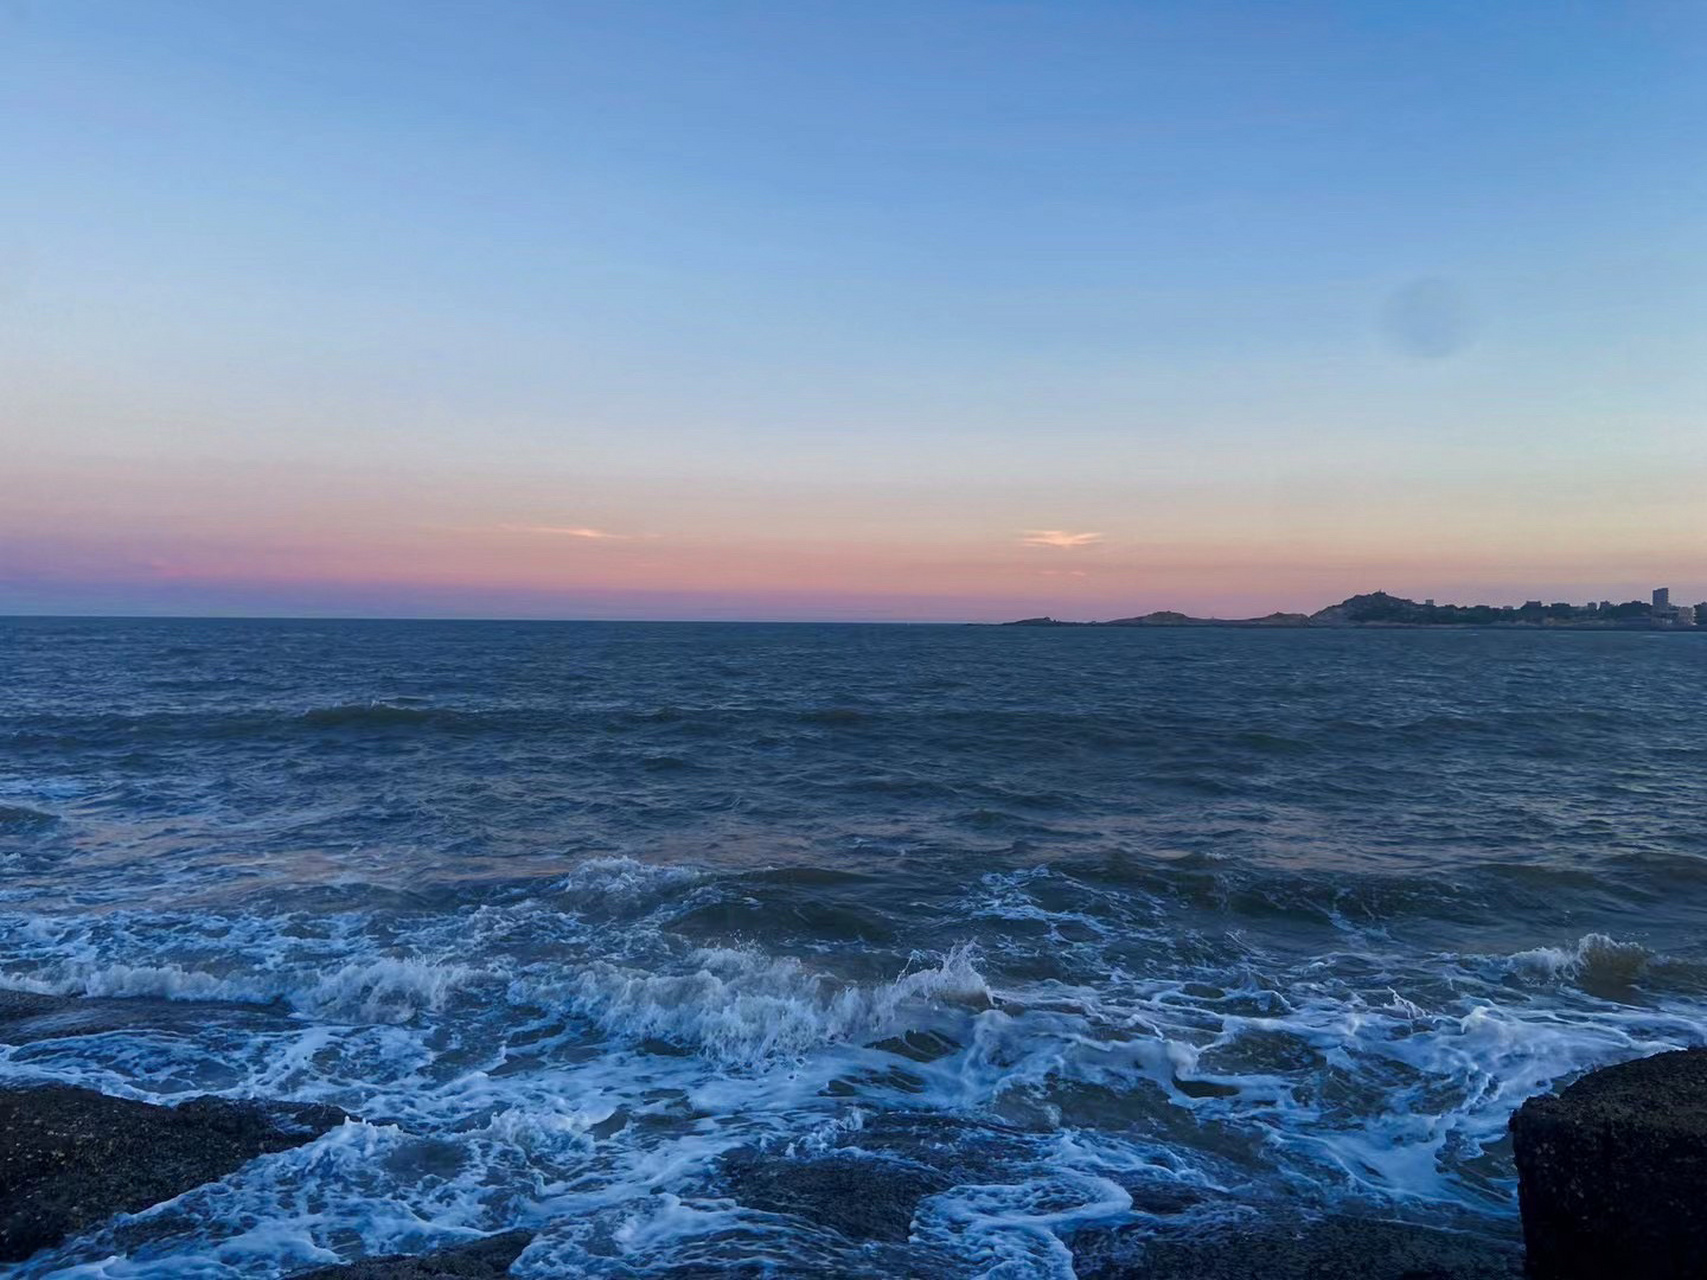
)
(805, 327)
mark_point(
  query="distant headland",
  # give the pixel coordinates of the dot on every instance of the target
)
(1378, 609)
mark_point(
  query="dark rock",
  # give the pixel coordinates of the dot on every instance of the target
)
(484, 1259)
(1332, 1248)
(1161, 1199)
(1612, 1173)
(863, 1197)
(71, 1157)
(18, 1005)
(952, 1149)
(920, 1046)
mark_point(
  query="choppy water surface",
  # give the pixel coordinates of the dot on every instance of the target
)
(1093, 926)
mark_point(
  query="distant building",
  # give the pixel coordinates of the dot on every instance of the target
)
(1667, 614)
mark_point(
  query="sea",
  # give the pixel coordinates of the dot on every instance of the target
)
(633, 934)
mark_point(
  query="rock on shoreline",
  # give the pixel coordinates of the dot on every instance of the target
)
(484, 1259)
(863, 1199)
(1336, 1247)
(1612, 1173)
(71, 1157)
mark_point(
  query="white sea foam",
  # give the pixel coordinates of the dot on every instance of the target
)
(508, 1050)
(743, 1008)
(122, 981)
(1595, 958)
(376, 990)
(385, 990)
(621, 882)
(1012, 1231)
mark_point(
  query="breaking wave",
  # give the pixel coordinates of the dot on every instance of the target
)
(743, 1008)
(365, 991)
(1049, 930)
(1595, 960)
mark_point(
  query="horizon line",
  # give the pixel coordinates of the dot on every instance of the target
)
(139, 615)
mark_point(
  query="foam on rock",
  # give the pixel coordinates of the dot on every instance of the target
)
(72, 1157)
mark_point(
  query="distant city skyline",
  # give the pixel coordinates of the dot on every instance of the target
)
(879, 311)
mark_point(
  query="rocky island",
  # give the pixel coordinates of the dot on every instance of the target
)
(1378, 609)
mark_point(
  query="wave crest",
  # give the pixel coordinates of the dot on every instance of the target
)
(1596, 960)
(742, 1008)
(385, 990)
(376, 715)
(22, 817)
(621, 882)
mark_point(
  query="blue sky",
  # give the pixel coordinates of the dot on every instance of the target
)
(826, 310)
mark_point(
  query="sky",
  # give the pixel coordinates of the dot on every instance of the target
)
(892, 311)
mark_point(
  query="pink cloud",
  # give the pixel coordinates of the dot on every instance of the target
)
(566, 531)
(1059, 538)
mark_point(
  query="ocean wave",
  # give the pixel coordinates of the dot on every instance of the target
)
(743, 1008)
(623, 877)
(836, 717)
(20, 817)
(43, 788)
(383, 715)
(386, 990)
(109, 729)
(1595, 960)
(383, 991)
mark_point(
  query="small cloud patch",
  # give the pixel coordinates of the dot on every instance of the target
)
(1059, 538)
(566, 531)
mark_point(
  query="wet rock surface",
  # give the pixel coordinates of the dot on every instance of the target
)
(1331, 1248)
(484, 1259)
(863, 1197)
(73, 1157)
(16, 1006)
(1612, 1173)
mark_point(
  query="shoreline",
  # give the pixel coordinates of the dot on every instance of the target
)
(73, 1159)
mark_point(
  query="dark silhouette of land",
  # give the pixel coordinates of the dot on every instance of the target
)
(1378, 609)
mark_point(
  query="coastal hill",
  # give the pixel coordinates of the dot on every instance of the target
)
(1378, 609)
